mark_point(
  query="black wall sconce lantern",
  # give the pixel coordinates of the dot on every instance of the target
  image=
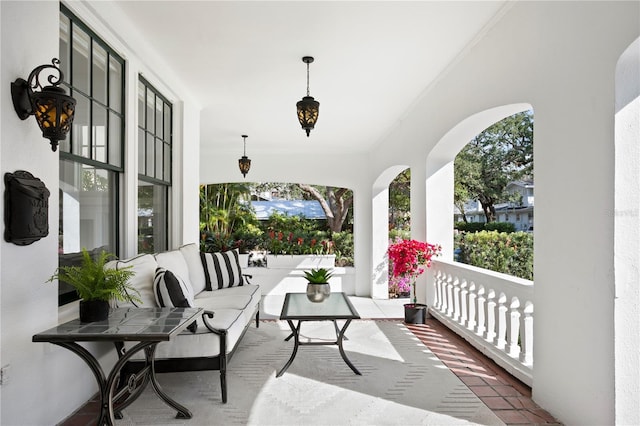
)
(245, 162)
(308, 108)
(53, 108)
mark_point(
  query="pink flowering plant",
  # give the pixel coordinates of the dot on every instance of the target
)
(409, 259)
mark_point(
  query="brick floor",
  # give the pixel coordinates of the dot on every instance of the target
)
(506, 396)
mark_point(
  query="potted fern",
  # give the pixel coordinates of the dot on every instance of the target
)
(318, 288)
(96, 285)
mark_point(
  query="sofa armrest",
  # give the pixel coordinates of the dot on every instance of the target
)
(206, 315)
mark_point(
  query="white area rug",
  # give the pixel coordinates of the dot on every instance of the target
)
(402, 383)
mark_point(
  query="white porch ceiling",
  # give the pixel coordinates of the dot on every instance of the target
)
(241, 60)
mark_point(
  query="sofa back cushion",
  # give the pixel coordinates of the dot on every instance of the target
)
(222, 269)
(144, 268)
(191, 254)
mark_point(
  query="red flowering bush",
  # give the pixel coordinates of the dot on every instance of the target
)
(409, 258)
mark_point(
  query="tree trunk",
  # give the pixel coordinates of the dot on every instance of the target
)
(335, 207)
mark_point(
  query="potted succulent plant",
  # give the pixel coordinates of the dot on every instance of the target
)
(96, 285)
(318, 288)
(409, 258)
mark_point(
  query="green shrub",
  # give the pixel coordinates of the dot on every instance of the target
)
(469, 226)
(500, 227)
(481, 226)
(509, 253)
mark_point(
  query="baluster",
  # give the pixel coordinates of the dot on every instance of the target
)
(464, 293)
(437, 282)
(482, 302)
(501, 319)
(526, 337)
(443, 292)
(490, 333)
(456, 298)
(449, 295)
(513, 330)
(471, 318)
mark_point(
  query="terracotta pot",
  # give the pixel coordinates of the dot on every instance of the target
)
(94, 310)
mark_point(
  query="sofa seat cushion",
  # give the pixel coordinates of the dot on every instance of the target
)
(202, 343)
(144, 269)
(245, 297)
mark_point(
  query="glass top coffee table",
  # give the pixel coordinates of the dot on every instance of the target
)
(297, 307)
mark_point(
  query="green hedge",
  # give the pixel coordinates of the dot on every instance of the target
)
(509, 253)
(481, 226)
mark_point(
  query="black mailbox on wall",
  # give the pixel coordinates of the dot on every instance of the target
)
(26, 208)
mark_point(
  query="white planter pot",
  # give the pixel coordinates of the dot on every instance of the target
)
(304, 261)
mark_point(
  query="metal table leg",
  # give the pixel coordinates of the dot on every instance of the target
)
(340, 337)
(135, 387)
(295, 332)
(344, 356)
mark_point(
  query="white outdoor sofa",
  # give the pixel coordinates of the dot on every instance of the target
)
(217, 285)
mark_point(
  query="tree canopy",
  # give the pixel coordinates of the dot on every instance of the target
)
(498, 155)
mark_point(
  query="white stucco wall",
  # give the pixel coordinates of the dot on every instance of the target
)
(627, 237)
(31, 393)
(564, 68)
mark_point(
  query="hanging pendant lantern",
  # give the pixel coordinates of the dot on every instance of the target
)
(244, 163)
(308, 108)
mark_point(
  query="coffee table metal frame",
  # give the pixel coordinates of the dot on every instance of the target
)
(297, 307)
(148, 326)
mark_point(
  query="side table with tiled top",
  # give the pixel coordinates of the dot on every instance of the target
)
(148, 327)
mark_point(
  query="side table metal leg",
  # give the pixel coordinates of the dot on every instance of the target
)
(344, 356)
(98, 373)
(295, 332)
(183, 412)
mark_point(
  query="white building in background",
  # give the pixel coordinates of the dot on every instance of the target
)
(519, 213)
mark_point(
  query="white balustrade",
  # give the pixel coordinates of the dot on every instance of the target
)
(492, 311)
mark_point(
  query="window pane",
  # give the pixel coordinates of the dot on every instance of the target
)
(141, 152)
(81, 123)
(167, 123)
(159, 117)
(158, 160)
(115, 139)
(167, 163)
(150, 156)
(99, 73)
(150, 111)
(152, 217)
(99, 136)
(141, 111)
(64, 47)
(87, 213)
(81, 63)
(115, 85)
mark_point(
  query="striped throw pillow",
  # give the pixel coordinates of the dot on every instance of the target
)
(222, 269)
(172, 291)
